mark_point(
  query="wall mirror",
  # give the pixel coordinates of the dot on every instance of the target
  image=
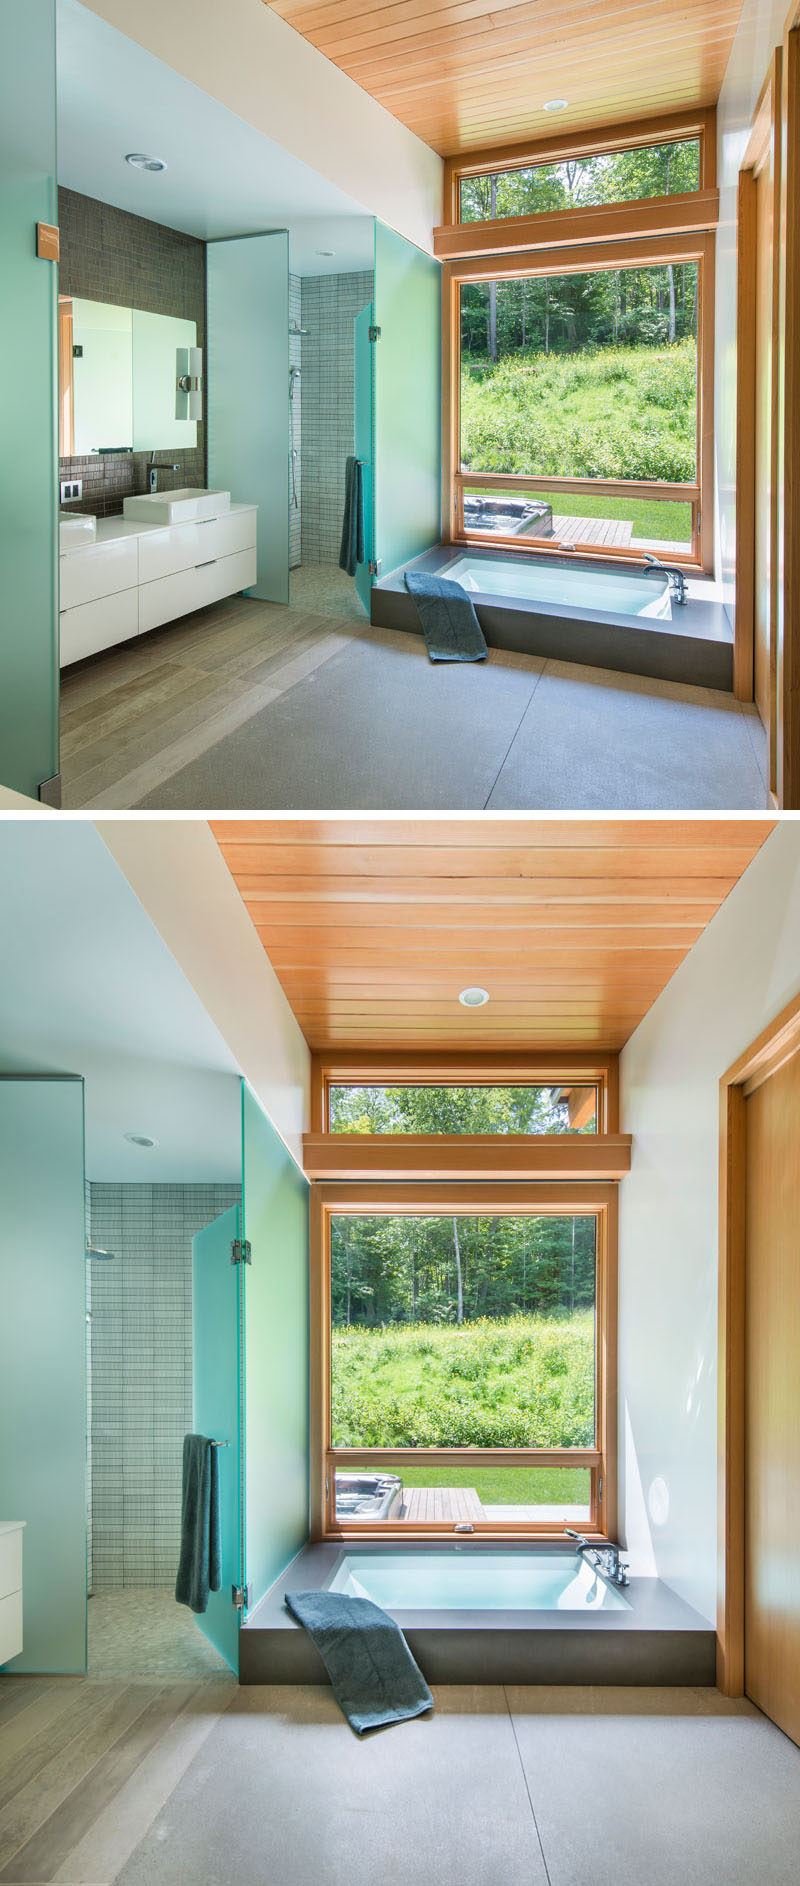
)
(118, 379)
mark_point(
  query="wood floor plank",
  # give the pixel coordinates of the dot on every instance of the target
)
(18, 1692)
(42, 1855)
(117, 1830)
(110, 1714)
(30, 1739)
(138, 716)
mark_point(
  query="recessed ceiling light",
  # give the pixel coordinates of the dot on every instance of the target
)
(474, 998)
(556, 104)
(324, 251)
(141, 161)
(139, 1139)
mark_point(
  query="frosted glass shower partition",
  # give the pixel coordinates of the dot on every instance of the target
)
(363, 435)
(408, 400)
(275, 1212)
(217, 1321)
(43, 1362)
(248, 391)
(28, 348)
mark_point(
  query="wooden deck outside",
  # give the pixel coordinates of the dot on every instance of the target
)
(593, 530)
(442, 1503)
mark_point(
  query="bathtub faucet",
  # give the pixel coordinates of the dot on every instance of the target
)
(675, 578)
(605, 1558)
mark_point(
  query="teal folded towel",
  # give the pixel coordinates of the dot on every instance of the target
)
(200, 1563)
(449, 624)
(373, 1674)
(352, 550)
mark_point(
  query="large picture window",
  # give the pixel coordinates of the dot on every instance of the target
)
(578, 350)
(465, 1343)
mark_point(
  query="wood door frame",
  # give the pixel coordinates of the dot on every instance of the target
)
(788, 625)
(778, 1043)
(764, 146)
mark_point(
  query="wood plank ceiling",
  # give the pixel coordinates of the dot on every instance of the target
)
(467, 73)
(373, 926)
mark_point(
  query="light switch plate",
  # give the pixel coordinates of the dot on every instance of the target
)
(71, 490)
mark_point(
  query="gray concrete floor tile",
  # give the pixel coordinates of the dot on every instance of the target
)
(595, 741)
(283, 1791)
(677, 1786)
(377, 726)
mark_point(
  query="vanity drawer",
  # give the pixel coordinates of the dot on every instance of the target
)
(177, 595)
(10, 1562)
(236, 530)
(10, 1626)
(96, 625)
(99, 570)
(178, 547)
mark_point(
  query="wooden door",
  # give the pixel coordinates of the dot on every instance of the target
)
(764, 453)
(772, 1397)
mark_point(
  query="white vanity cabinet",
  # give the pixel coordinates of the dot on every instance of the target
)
(137, 576)
(99, 596)
(11, 1531)
(187, 566)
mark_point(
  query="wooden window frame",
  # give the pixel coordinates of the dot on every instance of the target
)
(778, 1043)
(382, 1189)
(649, 232)
(667, 128)
(432, 1200)
(339, 1068)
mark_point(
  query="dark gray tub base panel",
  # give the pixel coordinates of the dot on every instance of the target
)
(696, 648)
(659, 1641)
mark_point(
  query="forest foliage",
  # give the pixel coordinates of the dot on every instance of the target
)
(526, 1381)
(460, 1331)
(582, 376)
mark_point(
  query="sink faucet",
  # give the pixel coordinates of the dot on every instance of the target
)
(676, 578)
(155, 469)
(605, 1557)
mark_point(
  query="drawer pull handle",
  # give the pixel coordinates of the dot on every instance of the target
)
(207, 565)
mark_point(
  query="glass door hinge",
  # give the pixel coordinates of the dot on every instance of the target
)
(240, 1251)
(242, 1597)
(374, 566)
(374, 333)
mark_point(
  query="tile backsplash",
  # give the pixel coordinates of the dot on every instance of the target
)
(141, 1373)
(109, 255)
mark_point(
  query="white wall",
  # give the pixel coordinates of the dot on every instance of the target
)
(739, 975)
(759, 31)
(179, 875)
(241, 53)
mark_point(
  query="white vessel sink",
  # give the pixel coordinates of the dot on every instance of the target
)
(176, 507)
(74, 530)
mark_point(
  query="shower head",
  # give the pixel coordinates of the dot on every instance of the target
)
(96, 1250)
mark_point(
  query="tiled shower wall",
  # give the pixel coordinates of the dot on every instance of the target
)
(109, 255)
(296, 360)
(330, 304)
(141, 1373)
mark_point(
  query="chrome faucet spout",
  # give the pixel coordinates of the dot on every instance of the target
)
(605, 1556)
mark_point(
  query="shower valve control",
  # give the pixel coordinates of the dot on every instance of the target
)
(240, 1251)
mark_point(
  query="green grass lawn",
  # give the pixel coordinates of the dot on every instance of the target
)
(615, 413)
(527, 1381)
(508, 1486)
